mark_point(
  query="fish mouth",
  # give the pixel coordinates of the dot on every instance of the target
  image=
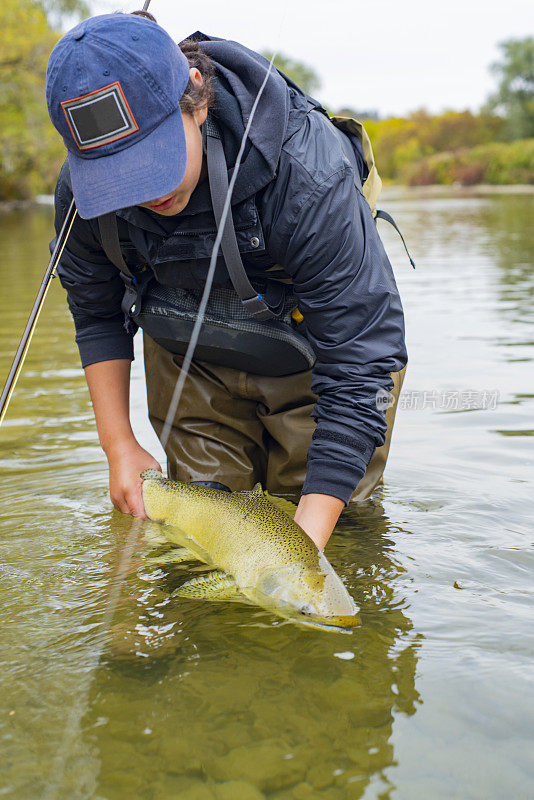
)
(324, 626)
(305, 614)
(341, 624)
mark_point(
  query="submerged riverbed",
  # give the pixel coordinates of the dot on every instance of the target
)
(429, 698)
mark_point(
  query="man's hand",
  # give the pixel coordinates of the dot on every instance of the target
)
(126, 462)
(317, 515)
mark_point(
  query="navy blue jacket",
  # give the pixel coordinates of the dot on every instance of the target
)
(297, 195)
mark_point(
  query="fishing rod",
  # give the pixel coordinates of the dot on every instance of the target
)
(25, 341)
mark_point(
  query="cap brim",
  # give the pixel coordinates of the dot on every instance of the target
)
(151, 168)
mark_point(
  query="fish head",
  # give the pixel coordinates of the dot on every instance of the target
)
(162, 498)
(315, 597)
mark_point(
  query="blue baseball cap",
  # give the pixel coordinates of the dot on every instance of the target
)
(113, 89)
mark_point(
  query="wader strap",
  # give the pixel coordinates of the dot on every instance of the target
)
(109, 234)
(107, 224)
(218, 181)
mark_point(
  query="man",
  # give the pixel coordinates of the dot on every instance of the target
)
(131, 108)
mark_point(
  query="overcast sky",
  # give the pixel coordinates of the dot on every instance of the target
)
(390, 56)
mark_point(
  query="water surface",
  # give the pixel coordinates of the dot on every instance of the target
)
(180, 699)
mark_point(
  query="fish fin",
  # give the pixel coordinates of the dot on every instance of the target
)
(175, 556)
(284, 505)
(215, 586)
(153, 536)
(256, 490)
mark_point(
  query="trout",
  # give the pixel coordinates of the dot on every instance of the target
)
(258, 551)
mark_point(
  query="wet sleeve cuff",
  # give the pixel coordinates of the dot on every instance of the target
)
(337, 460)
(107, 349)
(102, 339)
(338, 479)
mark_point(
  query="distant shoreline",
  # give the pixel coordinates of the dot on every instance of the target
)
(6, 206)
(390, 191)
(393, 190)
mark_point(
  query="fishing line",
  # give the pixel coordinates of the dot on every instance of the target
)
(186, 364)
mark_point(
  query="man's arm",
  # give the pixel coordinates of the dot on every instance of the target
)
(317, 515)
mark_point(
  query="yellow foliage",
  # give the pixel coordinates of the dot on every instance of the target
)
(398, 142)
(496, 163)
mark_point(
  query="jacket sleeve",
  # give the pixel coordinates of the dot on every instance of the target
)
(347, 294)
(94, 287)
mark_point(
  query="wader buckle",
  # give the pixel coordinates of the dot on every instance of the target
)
(130, 294)
(256, 308)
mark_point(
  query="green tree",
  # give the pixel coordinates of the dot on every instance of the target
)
(514, 97)
(64, 14)
(361, 113)
(301, 74)
(64, 8)
(30, 149)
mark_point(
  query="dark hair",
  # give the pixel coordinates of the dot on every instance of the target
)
(197, 96)
(194, 96)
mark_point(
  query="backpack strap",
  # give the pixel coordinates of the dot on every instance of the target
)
(109, 234)
(388, 218)
(218, 181)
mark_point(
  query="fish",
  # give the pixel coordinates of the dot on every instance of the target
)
(259, 553)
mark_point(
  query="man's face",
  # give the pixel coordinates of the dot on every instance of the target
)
(176, 201)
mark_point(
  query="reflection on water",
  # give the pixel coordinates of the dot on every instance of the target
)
(206, 701)
(241, 696)
(511, 240)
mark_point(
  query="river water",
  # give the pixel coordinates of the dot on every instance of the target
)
(430, 698)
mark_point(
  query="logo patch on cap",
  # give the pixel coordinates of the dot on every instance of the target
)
(99, 117)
